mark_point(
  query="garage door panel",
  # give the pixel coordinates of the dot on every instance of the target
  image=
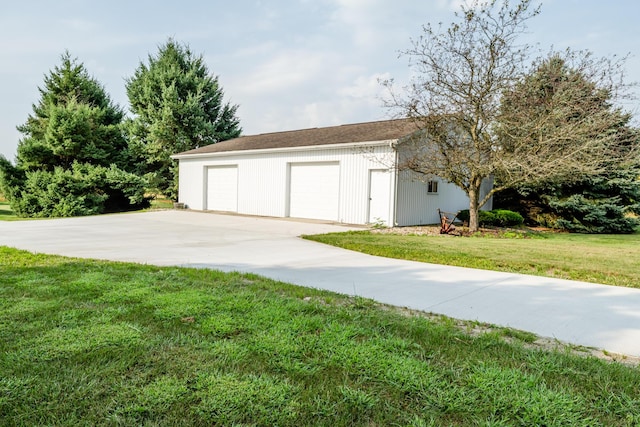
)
(222, 188)
(314, 191)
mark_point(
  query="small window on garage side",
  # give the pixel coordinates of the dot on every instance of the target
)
(432, 187)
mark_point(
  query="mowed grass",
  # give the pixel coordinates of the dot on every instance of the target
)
(161, 202)
(6, 214)
(89, 343)
(607, 259)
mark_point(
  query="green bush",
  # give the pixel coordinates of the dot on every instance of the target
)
(507, 218)
(463, 215)
(496, 217)
(600, 204)
(485, 217)
(82, 190)
(59, 193)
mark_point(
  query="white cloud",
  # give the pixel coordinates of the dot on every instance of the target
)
(359, 18)
(372, 24)
(286, 70)
(456, 5)
(366, 87)
(259, 49)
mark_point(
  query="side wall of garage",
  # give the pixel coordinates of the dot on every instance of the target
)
(308, 182)
(418, 202)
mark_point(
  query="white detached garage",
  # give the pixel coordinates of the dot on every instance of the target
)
(342, 174)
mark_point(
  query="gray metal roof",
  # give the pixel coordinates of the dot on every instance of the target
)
(359, 132)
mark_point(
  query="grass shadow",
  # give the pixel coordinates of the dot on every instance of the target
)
(6, 212)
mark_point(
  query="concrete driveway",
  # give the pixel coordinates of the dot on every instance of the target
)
(599, 316)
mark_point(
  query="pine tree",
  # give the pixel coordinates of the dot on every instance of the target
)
(73, 158)
(178, 106)
(75, 120)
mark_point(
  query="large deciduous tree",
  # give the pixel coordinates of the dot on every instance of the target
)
(178, 105)
(461, 75)
(583, 174)
(73, 158)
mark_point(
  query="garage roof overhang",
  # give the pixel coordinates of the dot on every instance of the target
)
(390, 143)
(351, 135)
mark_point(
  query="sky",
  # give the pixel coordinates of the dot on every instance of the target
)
(288, 64)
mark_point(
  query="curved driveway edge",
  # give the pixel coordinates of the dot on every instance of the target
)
(592, 315)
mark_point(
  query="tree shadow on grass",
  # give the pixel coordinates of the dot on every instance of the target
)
(6, 212)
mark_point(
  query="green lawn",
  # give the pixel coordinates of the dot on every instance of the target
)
(6, 214)
(609, 259)
(161, 203)
(89, 343)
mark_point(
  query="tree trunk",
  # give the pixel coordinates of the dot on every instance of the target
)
(474, 193)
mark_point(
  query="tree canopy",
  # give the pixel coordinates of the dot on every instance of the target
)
(73, 158)
(177, 105)
(583, 174)
(74, 120)
(466, 75)
(460, 74)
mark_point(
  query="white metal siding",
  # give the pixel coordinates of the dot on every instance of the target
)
(192, 183)
(314, 190)
(418, 207)
(263, 184)
(222, 188)
(263, 180)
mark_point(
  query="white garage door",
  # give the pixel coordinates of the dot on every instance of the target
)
(314, 190)
(222, 188)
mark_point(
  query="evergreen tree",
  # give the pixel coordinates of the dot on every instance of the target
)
(566, 103)
(75, 120)
(73, 158)
(178, 106)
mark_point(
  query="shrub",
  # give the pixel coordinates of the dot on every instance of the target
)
(82, 190)
(507, 218)
(485, 217)
(608, 203)
(463, 215)
(73, 158)
(497, 217)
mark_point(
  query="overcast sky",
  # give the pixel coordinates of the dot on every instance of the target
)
(289, 64)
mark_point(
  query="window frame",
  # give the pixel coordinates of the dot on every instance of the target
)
(432, 186)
